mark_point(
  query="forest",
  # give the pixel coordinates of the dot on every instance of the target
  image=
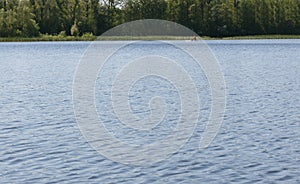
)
(215, 18)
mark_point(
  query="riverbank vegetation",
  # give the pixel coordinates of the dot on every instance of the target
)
(82, 19)
(126, 38)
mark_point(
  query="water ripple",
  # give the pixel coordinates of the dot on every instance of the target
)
(258, 143)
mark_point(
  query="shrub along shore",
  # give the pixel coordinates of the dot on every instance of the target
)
(90, 37)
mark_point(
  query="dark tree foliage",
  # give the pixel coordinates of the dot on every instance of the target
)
(219, 18)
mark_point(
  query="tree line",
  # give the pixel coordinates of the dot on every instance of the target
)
(217, 18)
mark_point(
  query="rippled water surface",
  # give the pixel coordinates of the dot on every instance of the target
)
(258, 142)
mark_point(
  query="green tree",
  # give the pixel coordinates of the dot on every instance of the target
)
(206, 17)
(248, 18)
(47, 15)
(179, 11)
(26, 25)
(87, 16)
(145, 9)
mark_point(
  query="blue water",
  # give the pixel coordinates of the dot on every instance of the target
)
(259, 140)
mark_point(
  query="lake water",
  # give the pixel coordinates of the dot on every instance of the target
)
(259, 140)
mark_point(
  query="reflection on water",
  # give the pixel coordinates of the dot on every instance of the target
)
(259, 140)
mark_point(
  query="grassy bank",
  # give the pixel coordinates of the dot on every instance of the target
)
(262, 37)
(48, 38)
(115, 38)
(203, 38)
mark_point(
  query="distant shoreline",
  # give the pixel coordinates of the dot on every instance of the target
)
(125, 38)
